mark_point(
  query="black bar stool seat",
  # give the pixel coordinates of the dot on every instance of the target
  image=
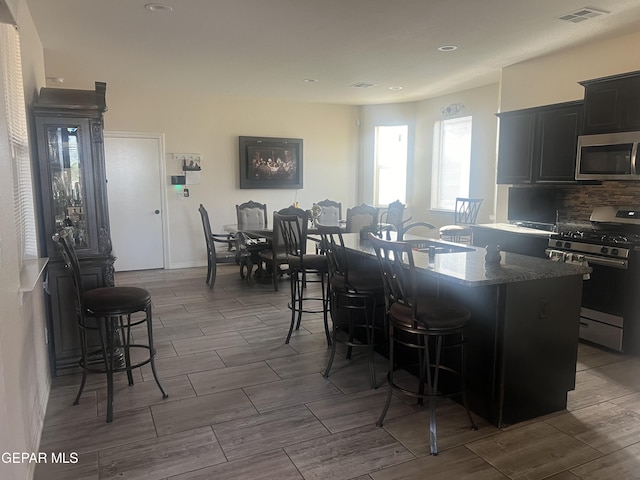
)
(109, 313)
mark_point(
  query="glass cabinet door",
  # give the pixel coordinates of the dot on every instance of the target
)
(70, 204)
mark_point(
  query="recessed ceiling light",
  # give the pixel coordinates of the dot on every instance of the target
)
(158, 8)
(363, 85)
(448, 48)
(310, 80)
(398, 87)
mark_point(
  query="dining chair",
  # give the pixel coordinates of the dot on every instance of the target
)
(107, 312)
(391, 219)
(428, 326)
(465, 215)
(354, 296)
(330, 213)
(252, 219)
(304, 269)
(362, 216)
(210, 242)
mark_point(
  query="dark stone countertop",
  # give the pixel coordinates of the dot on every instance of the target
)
(468, 267)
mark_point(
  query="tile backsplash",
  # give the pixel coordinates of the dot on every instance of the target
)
(577, 202)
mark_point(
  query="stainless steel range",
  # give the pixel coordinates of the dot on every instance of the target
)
(610, 313)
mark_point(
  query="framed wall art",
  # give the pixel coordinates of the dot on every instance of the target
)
(268, 162)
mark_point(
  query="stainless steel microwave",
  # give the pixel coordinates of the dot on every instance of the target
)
(608, 156)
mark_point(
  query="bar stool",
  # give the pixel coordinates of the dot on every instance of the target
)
(423, 325)
(351, 292)
(466, 214)
(303, 267)
(107, 311)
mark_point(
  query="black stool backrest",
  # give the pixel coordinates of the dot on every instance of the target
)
(333, 246)
(467, 210)
(292, 226)
(398, 272)
(73, 265)
(208, 237)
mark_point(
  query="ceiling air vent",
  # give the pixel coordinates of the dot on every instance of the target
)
(581, 15)
(362, 85)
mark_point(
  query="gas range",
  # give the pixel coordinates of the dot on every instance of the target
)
(615, 233)
(610, 311)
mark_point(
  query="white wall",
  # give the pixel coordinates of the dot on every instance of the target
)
(481, 103)
(194, 122)
(554, 79)
(24, 369)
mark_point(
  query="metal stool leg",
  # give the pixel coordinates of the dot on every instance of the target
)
(152, 351)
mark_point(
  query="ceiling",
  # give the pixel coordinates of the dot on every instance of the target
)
(268, 48)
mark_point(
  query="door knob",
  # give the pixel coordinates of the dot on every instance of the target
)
(157, 212)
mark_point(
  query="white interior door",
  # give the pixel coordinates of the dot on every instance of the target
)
(135, 173)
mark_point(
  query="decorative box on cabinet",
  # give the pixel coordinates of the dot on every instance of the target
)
(612, 104)
(72, 195)
(538, 145)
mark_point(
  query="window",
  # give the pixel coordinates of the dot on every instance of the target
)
(390, 164)
(11, 71)
(451, 162)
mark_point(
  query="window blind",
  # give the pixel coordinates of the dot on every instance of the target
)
(16, 122)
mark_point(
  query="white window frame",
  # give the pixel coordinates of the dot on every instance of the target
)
(386, 168)
(445, 168)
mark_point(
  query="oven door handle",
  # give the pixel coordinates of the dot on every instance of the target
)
(607, 262)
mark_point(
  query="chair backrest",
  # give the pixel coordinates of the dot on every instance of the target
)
(394, 214)
(277, 241)
(467, 210)
(361, 216)
(73, 265)
(251, 215)
(398, 272)
(331, 212)
(208, 237)
(292, 227)
(333, 246)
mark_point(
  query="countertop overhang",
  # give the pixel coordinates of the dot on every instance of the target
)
(470, 269)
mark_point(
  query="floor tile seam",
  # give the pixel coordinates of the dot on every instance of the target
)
(487, 461)
(601, 454)
(606, 400)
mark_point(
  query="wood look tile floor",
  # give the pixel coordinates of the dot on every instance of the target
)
(243, 405)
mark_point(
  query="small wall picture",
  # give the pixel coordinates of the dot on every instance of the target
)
(191, 163)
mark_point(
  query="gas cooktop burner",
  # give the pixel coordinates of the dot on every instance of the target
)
(599, 237)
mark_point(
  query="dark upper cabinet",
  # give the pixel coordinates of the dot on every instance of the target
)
(72, 195)
(538, 145)
(515, 146)
(612, 104)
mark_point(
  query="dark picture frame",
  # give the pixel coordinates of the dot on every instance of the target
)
(269, 162)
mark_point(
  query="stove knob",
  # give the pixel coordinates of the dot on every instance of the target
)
(604, 250)
(558, 243)
(567, 244)
(614, 251)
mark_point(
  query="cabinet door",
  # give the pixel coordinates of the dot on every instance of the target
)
(612, 105)
(67, 182)
(515, 147)
(64, 319)
(557, 143)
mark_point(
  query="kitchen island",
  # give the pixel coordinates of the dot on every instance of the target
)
(523, 334)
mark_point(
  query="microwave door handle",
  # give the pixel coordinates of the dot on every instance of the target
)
(634, 158)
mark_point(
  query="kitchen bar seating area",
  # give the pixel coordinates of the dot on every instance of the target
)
(245, 405)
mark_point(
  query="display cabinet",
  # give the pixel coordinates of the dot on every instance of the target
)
(72, 195)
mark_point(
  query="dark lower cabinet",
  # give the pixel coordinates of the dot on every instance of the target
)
(522, 243)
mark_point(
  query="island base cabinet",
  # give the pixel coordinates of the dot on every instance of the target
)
(522, 347)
